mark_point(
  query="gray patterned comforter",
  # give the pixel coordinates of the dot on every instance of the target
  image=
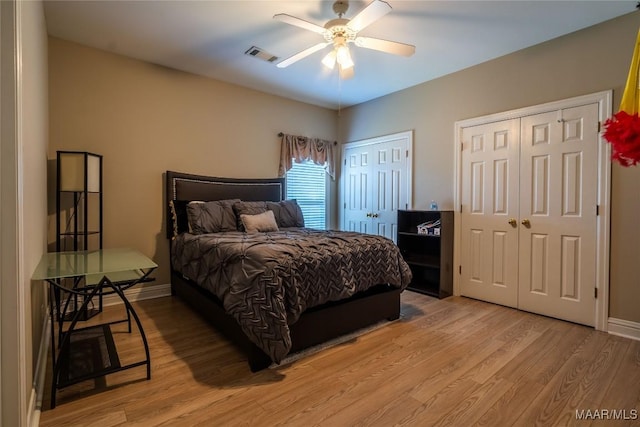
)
(266, 280)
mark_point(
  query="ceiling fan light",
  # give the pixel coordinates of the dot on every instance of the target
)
(329, 60)
(344, 57)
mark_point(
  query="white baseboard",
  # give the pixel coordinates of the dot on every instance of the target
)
(33, 411)
(35, 400)
(624, 328)
(139, 293)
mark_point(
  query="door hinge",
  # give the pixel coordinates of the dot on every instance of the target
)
(597, 210)
(460, 269)
(599, 126)
(406, 206)
(345, 162)
(345, 205)
(595, 293)
(461, 208)
(406, 153)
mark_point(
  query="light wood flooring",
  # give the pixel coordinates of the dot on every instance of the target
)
(456, 361)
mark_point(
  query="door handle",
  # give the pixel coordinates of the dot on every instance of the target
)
(513, 222)
(375, 215)
(526, 223)
(369, 214)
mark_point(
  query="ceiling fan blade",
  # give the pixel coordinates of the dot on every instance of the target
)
(292, 20)
(298, 56)
(374, 11)
(386, 46)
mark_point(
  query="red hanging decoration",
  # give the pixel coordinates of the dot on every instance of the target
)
(623, 132)
(623, 129)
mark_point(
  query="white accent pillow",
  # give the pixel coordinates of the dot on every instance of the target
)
(265, 221)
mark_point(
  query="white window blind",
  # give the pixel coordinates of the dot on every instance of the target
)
(307, 182)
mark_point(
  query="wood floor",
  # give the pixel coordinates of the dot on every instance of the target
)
(456, 361)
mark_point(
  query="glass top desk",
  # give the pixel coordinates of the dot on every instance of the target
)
(90, 352)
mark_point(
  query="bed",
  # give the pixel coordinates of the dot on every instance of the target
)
(273, 291)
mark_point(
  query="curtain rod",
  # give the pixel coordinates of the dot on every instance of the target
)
(280, 134)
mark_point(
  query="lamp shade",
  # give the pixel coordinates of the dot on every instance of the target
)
(329, 60)
(79, 171)
(344, 57)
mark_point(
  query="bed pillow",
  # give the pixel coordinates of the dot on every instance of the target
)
(179, 220)
(247, 208)
(287, 213)
(211, 217)
(264, 221)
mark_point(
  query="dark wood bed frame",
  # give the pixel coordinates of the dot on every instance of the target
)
(315, 326)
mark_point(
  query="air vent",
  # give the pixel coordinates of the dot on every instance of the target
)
(261, 54)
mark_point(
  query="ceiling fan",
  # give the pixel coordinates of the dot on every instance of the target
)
(341, 31)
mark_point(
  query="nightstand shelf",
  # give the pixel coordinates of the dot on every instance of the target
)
(430, 256)
(91, 353)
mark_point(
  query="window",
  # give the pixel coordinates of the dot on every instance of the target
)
(307, 183)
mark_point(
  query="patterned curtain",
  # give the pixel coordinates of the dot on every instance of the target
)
(300, 149)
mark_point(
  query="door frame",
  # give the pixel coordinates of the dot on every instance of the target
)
(408, 135)
(16, 408)
(604, 101)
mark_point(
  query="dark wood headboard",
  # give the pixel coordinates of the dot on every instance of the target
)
(187, 187)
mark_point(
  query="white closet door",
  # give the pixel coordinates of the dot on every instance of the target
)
(357, 189)
(376, 183)
(489, 234)
(558, 198)
(389, 176)
(540, 170)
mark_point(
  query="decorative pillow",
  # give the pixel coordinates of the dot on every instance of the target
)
(248, 208)
(211, 217)
(287, 213)
(179, 220)
(264, 221)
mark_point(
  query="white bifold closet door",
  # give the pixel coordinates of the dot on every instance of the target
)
(528, 220)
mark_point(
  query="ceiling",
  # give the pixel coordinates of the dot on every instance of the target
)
(210, 38)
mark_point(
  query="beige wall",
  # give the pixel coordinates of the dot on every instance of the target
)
(146, 119)
(588, 61)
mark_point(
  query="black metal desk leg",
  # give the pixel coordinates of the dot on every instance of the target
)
(132, 312)
(66, 341)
